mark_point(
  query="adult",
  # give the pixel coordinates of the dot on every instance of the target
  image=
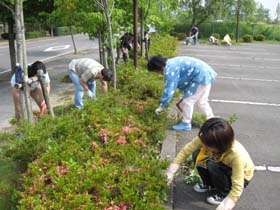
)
(35, 89)
(193, 77)
(84, 72)
(193, 34)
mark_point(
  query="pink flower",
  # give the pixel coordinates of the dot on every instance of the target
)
(126, 129)
(94, 144)
(121, 140)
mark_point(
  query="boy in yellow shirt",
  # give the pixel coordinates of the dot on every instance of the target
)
(222, 163)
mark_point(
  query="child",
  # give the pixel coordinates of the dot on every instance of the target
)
(222, 163)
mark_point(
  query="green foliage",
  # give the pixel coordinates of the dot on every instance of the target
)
(104, 156)
(35, 34)
(247, 38)
(216, 35)
(259, 37)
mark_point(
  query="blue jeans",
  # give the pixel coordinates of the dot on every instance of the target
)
(79, 90)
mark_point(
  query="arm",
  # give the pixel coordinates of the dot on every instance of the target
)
(84, 85)
(171, 78)
(104, 86)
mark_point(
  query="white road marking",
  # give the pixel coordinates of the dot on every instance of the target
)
(56, 48)
(243, 66)
(244, 102)
(249, 79)
(268, 168)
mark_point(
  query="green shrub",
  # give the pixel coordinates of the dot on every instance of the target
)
(216, 35)
(259, 37)
(247, 38)
(35, 34)
(102, 157)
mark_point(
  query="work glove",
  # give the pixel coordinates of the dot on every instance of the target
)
(159, 110)
(90, 94)
(171, 171)
(227, 204)
(29, 80)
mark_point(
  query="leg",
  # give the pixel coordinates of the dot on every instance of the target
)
(79, 91)
(203, 104)
(220, 177)
(187, 107)
(16, 98)
(38, 97)
(203, 172)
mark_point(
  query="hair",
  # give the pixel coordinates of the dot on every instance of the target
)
(157, 63)
(37, 65)
(217, 133)
(107, 75)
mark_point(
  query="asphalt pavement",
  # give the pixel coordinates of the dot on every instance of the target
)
(248, 85)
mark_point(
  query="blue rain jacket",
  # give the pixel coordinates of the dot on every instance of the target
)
(186, 74)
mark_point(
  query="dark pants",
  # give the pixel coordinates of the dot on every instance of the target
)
(217, 175)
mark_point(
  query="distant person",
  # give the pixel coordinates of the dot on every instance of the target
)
(126, 45)
(227, 40)
(193, 77)
(223, 164)
(212, 40)
(35, 89)
(84, 72)
(193, 34)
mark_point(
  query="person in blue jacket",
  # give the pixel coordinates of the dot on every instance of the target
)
(193, 77)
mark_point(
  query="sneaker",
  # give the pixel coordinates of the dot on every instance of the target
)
(182, 126)
(215, 199)
(201, 188)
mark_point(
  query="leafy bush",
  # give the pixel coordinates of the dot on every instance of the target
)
(216, 35)
(247, 38)
(102, 157)
(259, 37)
(35, 34)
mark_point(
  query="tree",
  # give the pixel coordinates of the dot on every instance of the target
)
(106, 8)
(277, 19)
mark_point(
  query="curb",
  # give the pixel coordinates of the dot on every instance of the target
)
(168, 152)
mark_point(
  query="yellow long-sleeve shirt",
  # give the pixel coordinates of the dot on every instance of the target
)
(237, 158)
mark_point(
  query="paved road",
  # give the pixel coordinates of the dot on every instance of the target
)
(248, 85)
(45, 49)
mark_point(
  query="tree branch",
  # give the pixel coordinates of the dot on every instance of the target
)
(7, 6)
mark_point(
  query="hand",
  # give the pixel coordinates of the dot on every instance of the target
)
(171, 171)
(227, 204)
(29, 81)
(159, 110)
(90, 94)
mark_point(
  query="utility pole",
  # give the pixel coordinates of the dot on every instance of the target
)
(237, 20)
(135, 31)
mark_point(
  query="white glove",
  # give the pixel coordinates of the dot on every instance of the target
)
(159, 110)
(90, 94)
(227, 204)
(171, 171)
(29, 80)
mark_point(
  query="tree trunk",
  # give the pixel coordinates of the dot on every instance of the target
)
(21, 54)
(12, 44)
(135, 31)
(73, 40)
(111, 47)
(142, 33)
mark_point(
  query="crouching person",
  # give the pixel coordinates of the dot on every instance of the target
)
(84, 72)
(223, 164)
